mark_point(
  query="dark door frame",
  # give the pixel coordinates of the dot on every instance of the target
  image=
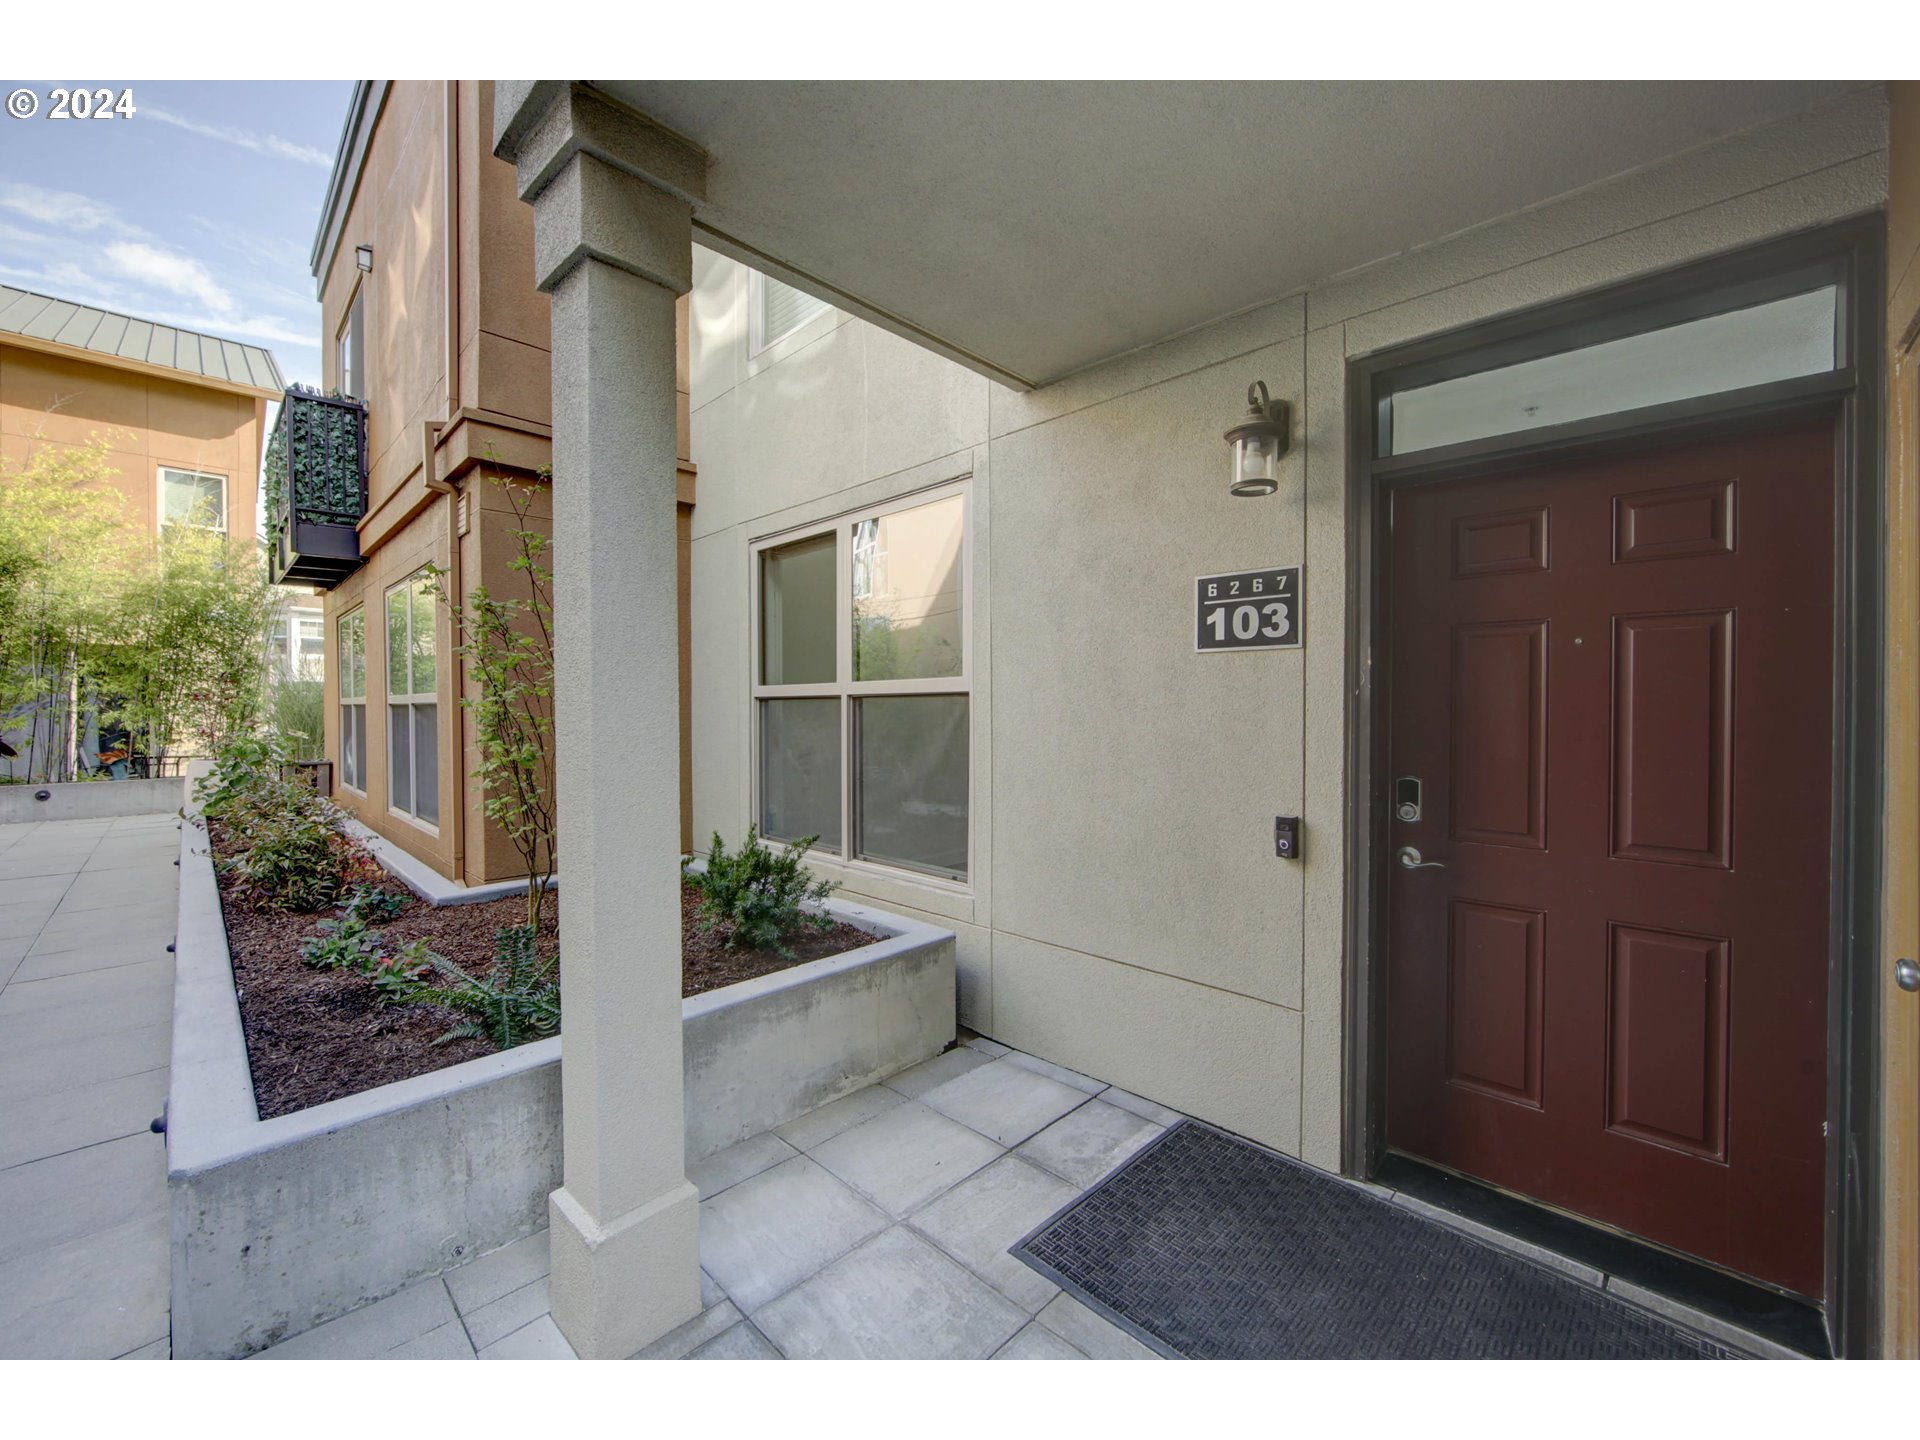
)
(1849, 254)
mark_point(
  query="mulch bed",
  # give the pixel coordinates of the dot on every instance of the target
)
(318, 1035)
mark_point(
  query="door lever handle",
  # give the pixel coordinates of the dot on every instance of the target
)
(1409, 859)
(1906, 974)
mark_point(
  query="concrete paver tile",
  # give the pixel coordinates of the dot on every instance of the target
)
(906, 1156)
(819, 1125)
(1084, 1145)
(95, 1296)
(483, 1280)
(1003, 1101)
(49, 1202)
(767, 1234)
(728, 1167)
(742, 1342)
(977, 1220)
(70, 1119)
(896, 1297)
(500, 1318)
(373, 1330)
(541, 1340)
(919, 1079)
(1037, 1342)
(682, 1341)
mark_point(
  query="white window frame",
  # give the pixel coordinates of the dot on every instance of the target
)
(410, 699)
(297, 646)
(358, 613)
(758, 341)
(847, 690)
(160, 495)
(343, 340)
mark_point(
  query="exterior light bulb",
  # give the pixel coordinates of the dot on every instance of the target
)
(1258, 442)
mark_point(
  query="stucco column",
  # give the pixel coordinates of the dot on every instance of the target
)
(613, 197)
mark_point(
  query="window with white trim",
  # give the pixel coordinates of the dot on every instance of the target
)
(862, 685)
(193, 497)
(777, 310)
(351, 364)
(353, 700)
(413, 702)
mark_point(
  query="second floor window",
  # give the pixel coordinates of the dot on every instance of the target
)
(413, 711)
(193, 497)
(353, 347)
(353, 701)
(778, 310)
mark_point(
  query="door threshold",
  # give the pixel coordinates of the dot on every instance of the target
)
(1685, 1291)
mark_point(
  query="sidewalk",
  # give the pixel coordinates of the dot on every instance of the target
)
(87, 909)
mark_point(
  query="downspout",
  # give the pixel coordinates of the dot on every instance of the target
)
(429, 446)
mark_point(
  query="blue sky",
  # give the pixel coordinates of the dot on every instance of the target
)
(199, 211)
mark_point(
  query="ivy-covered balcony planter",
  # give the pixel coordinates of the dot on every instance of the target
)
(316, 478)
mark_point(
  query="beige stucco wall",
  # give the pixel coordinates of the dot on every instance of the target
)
(1127, 916)
(148, 421)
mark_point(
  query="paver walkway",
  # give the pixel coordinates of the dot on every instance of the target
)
(87, 909)
(873, 1227)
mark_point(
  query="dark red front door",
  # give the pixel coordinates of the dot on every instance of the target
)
(1614, 682)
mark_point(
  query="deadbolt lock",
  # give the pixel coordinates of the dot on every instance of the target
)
(1406, 797)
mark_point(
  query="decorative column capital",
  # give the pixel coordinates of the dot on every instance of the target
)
(606, 182)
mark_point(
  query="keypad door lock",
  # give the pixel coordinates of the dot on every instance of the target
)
(1406, 798)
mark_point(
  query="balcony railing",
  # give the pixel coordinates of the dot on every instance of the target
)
(316, 476)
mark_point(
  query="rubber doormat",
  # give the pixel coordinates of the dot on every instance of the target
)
(1210, 1247)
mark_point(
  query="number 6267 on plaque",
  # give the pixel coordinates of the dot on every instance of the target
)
(1249, 610)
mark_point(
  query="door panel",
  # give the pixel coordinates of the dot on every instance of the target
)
(1615, 681)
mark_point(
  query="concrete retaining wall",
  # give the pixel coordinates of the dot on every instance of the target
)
(89, 800)
(279, 1225)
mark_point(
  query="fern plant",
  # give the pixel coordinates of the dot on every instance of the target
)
(754, 898)
(516, 1001)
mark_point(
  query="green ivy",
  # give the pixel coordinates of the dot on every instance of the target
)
(315, 455)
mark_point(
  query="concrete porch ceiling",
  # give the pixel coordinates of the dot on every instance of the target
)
(1034, 229)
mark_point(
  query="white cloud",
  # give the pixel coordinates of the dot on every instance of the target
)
(167, 270)
(65, 209)
(257, 141)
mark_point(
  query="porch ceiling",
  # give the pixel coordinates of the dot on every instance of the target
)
(1034, 229)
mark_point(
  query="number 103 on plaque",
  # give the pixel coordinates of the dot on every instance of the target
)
(1250, 610)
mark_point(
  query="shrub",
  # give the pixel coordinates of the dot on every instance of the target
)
(348, 941)
(399, 977)
(370, 902)
(242, 770)
(753, 898)
(516, 1001)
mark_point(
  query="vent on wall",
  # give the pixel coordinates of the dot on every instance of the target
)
(779, 310)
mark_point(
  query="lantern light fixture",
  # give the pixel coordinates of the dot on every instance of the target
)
(1258, 441)
(363, 256)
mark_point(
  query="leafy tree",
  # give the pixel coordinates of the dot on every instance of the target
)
(64, 554)
(507, 644)
(187, 666)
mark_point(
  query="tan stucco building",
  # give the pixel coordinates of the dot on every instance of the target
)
(959, 421)
(424, 263)
(183, 413)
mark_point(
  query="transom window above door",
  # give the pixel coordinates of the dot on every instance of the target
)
(861, 720)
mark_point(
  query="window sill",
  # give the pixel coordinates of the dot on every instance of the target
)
(889, 885)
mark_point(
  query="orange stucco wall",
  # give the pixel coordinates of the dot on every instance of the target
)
(147, 419)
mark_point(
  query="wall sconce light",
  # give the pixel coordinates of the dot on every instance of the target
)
(1258, 442)
(363, 256)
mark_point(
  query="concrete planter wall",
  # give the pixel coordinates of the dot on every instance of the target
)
(279, 1225)
(89, 800)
